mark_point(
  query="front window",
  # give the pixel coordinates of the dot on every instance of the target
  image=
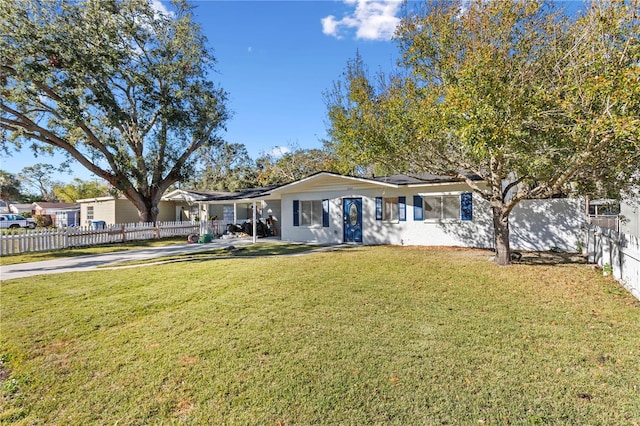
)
(432, 207)
(311, 213)
(390, 209)
(441, 207)
(451, 207)
(89, 212)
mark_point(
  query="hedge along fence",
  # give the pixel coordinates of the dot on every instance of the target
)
(618, 254)
(45, 239)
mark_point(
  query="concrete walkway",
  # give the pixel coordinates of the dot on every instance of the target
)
(92, 262)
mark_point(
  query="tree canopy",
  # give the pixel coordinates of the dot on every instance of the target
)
(80, 189)
(225, 167)
(120, 87)
(535, 102)
(40, 180)
(9, 187)
(296, 163)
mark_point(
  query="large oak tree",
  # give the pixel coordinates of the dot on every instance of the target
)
(120, 87)
(535, 102)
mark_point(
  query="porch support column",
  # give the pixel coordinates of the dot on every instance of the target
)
(202, 218)
(235, 213)
(255, 223)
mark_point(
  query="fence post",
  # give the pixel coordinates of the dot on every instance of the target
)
(606, 250)
(591, 244)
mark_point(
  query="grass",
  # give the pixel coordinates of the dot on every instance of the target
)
(367, 335)
(83, 251)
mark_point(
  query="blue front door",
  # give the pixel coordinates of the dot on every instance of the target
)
(352, 213)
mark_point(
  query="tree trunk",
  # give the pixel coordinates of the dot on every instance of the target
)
(148, 214)
(501, 233)
(147, 206)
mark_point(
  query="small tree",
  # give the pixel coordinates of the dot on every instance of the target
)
(39, 178)
(9, 187)
(118, 86)
(535, 103)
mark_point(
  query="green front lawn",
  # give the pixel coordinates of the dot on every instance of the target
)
(366, 335)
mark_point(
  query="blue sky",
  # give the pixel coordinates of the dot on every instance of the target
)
(276, 58)
(275, 61)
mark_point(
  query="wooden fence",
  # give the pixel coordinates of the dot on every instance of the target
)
(617, 253)
(44, 239)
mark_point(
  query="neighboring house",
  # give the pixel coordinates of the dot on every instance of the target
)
(113, 210)
(329, 208)
(604, 213)
(19, 208)
(58, 214)
(4, 208)
(619, 216)
(68, 217)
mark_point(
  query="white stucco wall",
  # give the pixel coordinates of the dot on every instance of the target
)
(535, 225)
(410, 232)
(541, 225)
(630, 218)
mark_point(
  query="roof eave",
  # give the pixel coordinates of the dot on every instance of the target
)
(336, 175)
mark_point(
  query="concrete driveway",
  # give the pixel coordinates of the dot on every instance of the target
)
(91, 262)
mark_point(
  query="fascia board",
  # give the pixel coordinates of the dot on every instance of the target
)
(289, 186)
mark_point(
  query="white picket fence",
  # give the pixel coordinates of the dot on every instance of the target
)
(44, 239)
(618, 252)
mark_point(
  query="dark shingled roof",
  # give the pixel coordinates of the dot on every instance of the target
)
(238, 195)
(421, 178)
(393, 180)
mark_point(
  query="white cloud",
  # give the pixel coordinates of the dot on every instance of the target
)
(372, 19)
(278, 151)
(160, 8)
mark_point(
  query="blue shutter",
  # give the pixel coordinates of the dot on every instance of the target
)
(325, 213)
(402, 208)
(417, 208)
(296, 213)
(466, 206)
(378, 208)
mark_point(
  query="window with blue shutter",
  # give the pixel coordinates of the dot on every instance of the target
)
(466, 206)
(378, 208)
(417, 208)
(296, 213)
(402, 208)
(325, 213)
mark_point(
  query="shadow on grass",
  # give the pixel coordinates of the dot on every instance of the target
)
(532, 258)
(254, 250)
(551, 258)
